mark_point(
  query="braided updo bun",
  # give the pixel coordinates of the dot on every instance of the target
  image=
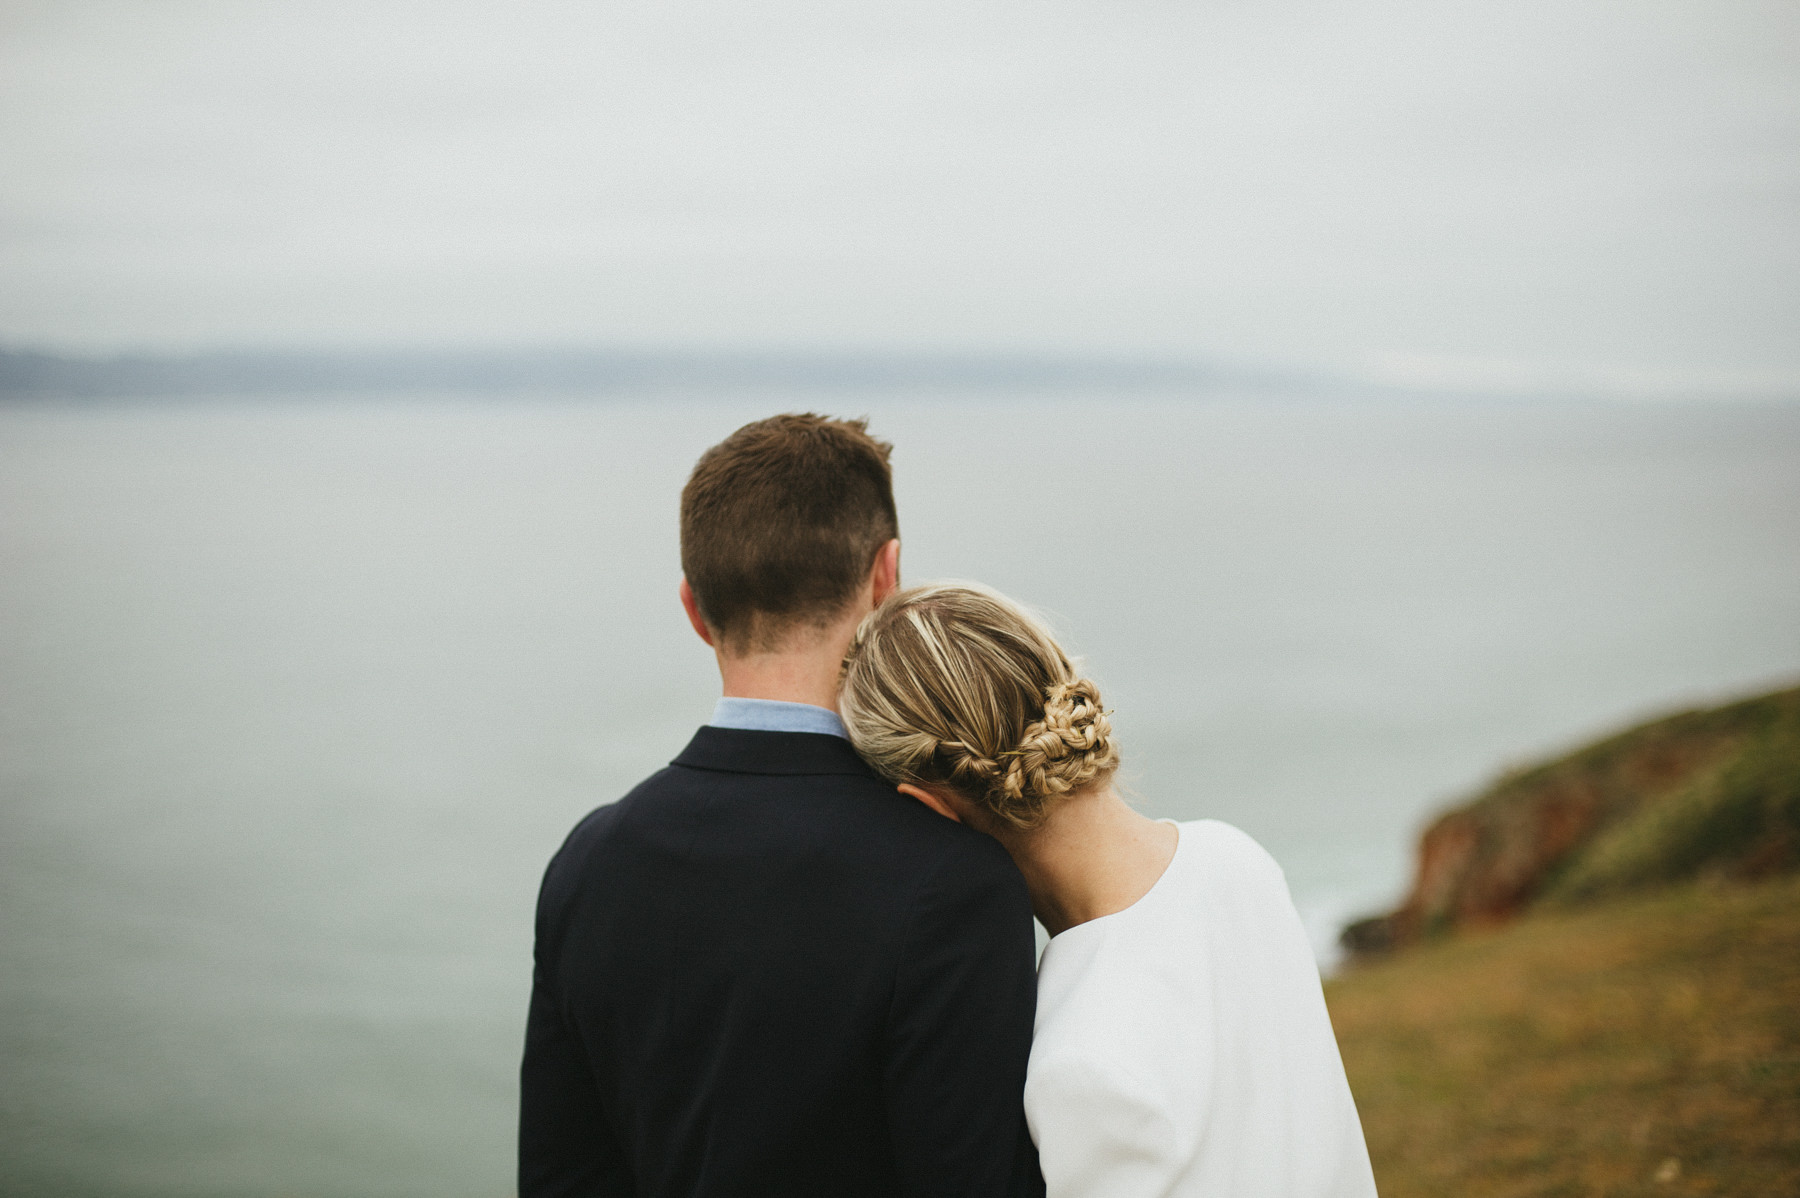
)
(955, 685)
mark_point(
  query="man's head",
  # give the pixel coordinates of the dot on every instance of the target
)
(781, 524)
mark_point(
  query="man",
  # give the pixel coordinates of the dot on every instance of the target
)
(764, 971)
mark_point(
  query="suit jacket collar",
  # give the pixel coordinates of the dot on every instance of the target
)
(748, 751)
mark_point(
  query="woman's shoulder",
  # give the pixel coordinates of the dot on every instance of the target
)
(1220, 848)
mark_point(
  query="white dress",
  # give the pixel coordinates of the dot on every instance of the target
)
(1183, 1047)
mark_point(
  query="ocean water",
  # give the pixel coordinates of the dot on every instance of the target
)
(297, 697)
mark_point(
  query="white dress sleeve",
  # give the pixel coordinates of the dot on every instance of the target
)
(1100, 1133)
(1183, 1047)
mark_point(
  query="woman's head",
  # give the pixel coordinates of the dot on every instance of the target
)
(955, 686)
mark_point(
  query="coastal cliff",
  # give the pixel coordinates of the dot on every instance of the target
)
(1711, 792)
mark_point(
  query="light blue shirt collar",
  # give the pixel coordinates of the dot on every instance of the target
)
(776, 715)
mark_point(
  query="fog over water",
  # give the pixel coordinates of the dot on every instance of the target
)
(300, 696)
(1512, 194)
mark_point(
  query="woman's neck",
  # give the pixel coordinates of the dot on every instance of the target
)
(1093, 856)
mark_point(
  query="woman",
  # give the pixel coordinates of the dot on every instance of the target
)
(1182, 1045)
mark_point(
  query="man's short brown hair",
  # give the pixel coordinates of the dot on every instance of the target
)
(780, 524)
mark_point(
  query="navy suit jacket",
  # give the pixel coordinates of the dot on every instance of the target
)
(766, 972)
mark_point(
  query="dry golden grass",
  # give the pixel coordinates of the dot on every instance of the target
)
(1647, 1047)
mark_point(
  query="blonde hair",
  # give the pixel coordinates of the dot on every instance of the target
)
(955, 685)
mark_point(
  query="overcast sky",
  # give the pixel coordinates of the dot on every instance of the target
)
(1507, 191)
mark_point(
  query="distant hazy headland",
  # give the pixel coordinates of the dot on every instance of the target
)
(29, 373)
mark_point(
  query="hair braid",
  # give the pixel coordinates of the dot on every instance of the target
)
(958, 686)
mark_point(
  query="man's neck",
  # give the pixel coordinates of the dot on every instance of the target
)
(804, 671)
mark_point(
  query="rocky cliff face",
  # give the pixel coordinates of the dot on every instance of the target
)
(1715, 789)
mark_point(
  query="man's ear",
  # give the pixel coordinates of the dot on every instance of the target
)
(885, 574)
(692, 607)
(935, 802)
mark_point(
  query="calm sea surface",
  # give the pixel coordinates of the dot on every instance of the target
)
(296, 698)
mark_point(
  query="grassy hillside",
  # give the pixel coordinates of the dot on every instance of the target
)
(1711, 792)
(1646, 1046)
(1738, 814)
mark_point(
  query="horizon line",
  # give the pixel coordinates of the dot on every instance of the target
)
(42, 372)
